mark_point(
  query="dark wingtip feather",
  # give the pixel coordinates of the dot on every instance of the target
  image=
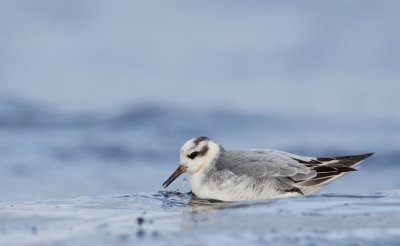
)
(362, 156)
(368, 155)
(349, 159)
(329, 168)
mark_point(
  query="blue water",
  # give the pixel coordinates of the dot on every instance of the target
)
(54, 154)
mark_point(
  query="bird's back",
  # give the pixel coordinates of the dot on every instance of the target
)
(258, 174)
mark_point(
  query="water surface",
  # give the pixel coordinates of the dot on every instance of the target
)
(171, 218)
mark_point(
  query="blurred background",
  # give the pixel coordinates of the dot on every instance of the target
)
(97, 97)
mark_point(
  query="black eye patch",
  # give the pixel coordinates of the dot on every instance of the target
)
(193, 155)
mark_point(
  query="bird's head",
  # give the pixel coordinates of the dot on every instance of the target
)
(196, 154)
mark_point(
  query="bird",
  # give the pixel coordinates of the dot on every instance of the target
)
(252, 174)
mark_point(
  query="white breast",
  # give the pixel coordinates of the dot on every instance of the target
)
(200, 190)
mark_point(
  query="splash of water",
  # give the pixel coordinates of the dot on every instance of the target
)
(183, 185)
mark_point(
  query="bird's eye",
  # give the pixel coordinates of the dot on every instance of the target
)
(193, 155)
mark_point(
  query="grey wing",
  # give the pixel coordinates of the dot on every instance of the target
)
(264, 164)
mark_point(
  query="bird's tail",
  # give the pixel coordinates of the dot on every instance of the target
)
(328, 170)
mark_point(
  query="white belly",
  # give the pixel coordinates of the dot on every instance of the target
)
(232, 188)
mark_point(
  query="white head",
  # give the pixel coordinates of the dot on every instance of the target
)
(196, 154)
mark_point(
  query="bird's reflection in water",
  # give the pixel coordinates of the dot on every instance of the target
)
(197, 213)
(198, 204)
(204, 212)
(189, 200)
